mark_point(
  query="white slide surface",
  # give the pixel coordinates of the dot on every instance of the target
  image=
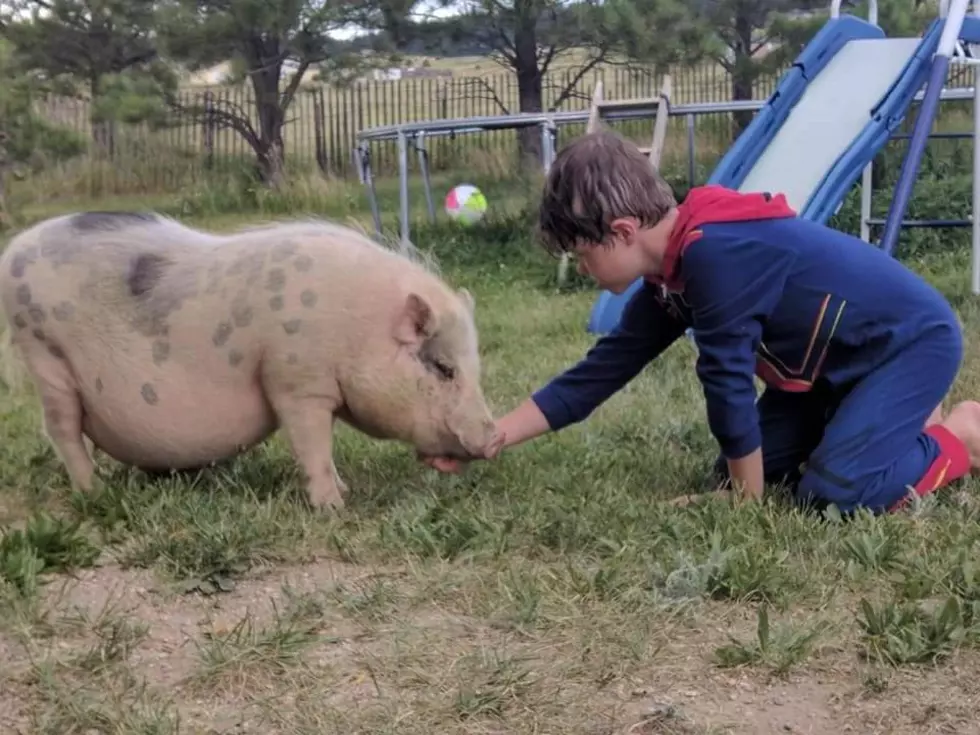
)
(832, 112)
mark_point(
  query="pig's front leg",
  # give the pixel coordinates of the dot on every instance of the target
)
(308, 425)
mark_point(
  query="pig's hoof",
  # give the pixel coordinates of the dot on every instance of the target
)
(326, 501)
(89, 484)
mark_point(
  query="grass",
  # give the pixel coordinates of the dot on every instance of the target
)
(553, 590)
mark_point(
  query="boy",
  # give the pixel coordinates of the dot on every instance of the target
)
(857, 352)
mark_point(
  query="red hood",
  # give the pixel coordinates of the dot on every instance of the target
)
(708, 204)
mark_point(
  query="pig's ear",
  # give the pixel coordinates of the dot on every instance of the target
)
(415, 321)
(468, 300)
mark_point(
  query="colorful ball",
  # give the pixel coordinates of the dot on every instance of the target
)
(465, 203)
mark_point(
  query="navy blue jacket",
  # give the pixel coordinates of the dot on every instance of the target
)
(767, 294)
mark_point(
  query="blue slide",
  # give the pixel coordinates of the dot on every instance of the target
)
(830, 114)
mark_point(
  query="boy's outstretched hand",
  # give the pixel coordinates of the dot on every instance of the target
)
(523, 423)
(456, 466)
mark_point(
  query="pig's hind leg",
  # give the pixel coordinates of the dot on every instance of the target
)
(62, 407)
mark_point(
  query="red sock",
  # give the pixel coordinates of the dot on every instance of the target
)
(952, 463)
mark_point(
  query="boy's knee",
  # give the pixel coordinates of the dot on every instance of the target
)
(815, 488)
(876, 492)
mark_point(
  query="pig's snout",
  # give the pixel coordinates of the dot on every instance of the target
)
(473, 429)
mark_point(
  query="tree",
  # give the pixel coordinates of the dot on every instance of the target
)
(532, 37)
(264, 38)
(759, 37)
(27, 142)
(92, 43)
(751, 35)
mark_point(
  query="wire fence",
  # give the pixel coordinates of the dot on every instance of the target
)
(322, 121)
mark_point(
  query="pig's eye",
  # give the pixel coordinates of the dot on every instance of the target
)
(444, 371)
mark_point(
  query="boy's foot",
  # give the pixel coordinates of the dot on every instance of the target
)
(964, 422)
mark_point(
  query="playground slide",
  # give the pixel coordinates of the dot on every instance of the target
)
(828, 117)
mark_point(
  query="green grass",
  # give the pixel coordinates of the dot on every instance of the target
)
(553, 590)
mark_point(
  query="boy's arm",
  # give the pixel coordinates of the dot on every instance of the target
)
(645, 330)
(732, 286)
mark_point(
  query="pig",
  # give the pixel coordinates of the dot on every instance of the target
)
(171, 348)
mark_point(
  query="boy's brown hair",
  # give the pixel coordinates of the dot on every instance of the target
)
(595, 179)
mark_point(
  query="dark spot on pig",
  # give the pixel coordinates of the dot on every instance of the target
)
(276, 280)
(214, 278)
(155, 306)
(292, 358)
(56, 351)
(161, 351)
(20, 321)
(222, 333)
(149, 394)
(110, 220)
(235, 357)
(251, 264)
(292, 326)
(38, 334)
(63, 312)
(303, 263)
(237, 267)
(241, 313)
(256, 265)
(23, 294)
(60, 247)
(98, 385)
(36, 313)
(145, 272)
(308, 299)
(276, 303)
(284, 251)
(19, 263)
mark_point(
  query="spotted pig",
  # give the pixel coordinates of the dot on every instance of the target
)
(173, 348)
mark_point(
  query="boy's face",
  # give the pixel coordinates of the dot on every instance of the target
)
(615, 263)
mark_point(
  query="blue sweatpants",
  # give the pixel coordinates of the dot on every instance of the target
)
(866, 446)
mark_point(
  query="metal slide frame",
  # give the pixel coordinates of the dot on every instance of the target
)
(948, 47)
(942, 36)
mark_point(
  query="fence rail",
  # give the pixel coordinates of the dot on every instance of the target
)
(323, 122)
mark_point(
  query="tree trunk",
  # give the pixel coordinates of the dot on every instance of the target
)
(101, 129)
(271, 164)
(529, 89)
(271, 154)
(5, 216)
(744, 71)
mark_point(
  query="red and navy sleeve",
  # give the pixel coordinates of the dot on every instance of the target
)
(732, 284)
(645, 330)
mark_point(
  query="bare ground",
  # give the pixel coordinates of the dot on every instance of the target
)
(287, 651)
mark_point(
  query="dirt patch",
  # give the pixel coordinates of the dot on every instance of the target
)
(332, 647)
